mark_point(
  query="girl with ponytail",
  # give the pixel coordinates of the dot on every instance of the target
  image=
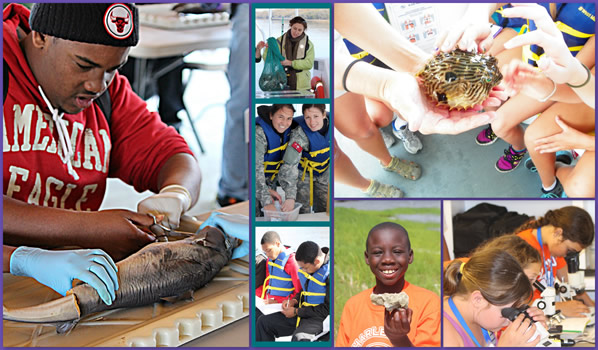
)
(474, 295)
(558, 233)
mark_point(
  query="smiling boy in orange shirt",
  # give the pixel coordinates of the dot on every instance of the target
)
(388, 254)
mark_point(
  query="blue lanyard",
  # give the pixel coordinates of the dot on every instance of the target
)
(549, 276)
(487, 336)
(466, 327)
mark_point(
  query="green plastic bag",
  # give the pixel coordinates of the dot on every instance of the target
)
(273, 76)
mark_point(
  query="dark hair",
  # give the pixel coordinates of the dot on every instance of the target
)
(298, 19)
(576, 223)
(320, 106)
(276, 107)
(307, 252)
(270, 237)
(494, 272)
(265, 111)
(387, 226)
(519, 249)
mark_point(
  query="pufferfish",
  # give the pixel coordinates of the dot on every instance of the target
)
(460, 79)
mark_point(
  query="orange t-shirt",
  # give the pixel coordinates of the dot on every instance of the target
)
(557, 262)
(362, 323)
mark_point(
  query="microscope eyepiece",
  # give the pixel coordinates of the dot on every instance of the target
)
(572, 259)
(511, 313)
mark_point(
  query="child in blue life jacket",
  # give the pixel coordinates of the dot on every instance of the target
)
(303, 316)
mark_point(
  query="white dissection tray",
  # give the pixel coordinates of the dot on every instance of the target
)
(223, 301)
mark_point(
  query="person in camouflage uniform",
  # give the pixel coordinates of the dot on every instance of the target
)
(272, 132)
(304, 175)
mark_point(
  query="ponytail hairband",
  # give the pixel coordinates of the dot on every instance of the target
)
(460, 273)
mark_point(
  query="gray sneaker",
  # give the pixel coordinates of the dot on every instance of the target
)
(407, 169)
(387, 136)
(379, 190)
(411, 142)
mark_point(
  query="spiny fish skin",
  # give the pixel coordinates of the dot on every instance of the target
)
(460, 79)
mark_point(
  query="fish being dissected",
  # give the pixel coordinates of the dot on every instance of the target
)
(159, 270)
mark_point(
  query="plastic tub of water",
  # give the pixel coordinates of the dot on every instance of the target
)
(275, 215)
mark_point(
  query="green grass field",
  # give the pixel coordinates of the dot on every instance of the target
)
(352, 275)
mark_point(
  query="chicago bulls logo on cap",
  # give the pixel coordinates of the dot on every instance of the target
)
(118, 21)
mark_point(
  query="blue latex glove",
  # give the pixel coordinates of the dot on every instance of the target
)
(57, 269)
(233, 225)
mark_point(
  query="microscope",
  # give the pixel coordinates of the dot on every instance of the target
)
(547, 300)
(546, 340)
(565, 290)
(575, 284)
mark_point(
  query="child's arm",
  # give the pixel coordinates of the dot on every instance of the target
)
(571, 308)
(292, 269)
(585, 298)
(397, 325)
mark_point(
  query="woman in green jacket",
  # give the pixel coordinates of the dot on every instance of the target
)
(298, 53)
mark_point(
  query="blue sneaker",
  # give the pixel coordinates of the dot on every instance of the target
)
(529, 164)
(565, 157)
(556, 192)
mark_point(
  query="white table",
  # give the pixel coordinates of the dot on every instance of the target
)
(304, 217)
(160, 43)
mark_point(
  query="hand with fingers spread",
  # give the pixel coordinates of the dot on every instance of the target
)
(518, 333)
(471, 33)
(558, 63)
(58, 269)
(472, 37)
(520, 77)
(397, 325)
(567, 139)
